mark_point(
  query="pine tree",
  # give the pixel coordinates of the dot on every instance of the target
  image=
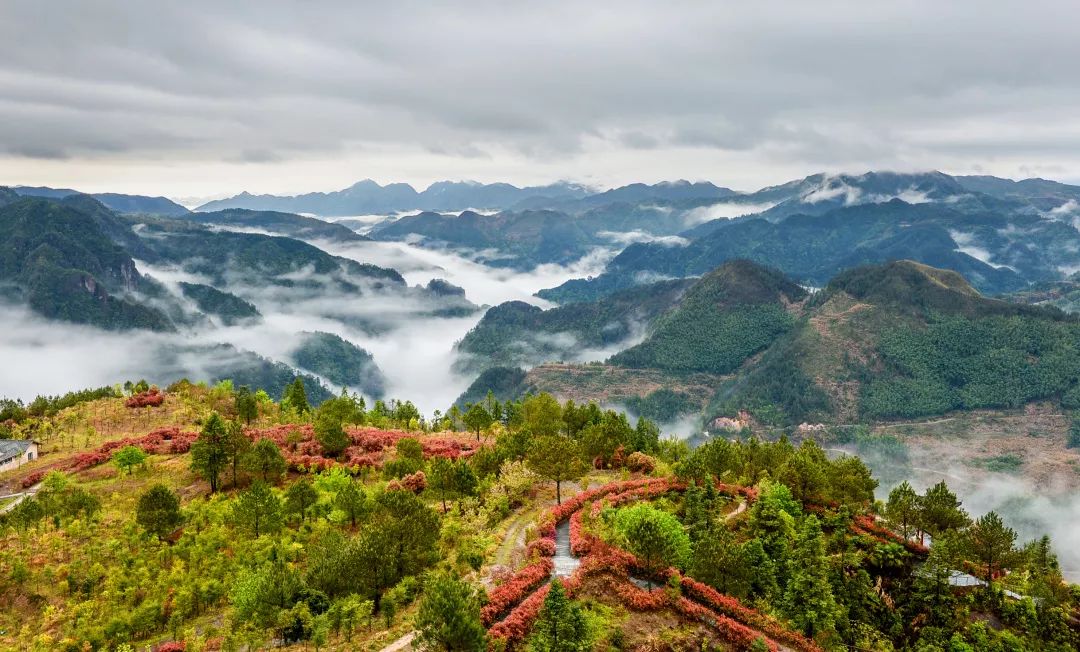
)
(351, 500)
(330, 435)
(902, 509)
(477, 418)
(295, 397)
(991, 542)
(258, 509)
(561, 624)
(556, 458)
(158, 511)
(265, 459)
(299, 496)
(808, 599)
(236, 446)
(247, 408)
(210, 453)
(449, 616)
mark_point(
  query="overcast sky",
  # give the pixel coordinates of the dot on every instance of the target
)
(208, 98)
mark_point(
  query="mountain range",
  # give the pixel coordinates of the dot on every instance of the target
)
(887, 341)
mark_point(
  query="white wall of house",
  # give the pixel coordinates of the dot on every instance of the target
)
(30, 454)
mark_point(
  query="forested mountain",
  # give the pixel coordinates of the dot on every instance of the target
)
(886, 341)
(65, 267)
(340, 362)
(996, 252)
(120, 203)
(517, 333)
(288, 224)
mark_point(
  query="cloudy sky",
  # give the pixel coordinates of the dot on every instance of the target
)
(208, 98)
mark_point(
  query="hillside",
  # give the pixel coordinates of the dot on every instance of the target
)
(814, 248)
(67, 268)
(340, 362)
(294, 226)
(728, 315)
(208, 520)
(134, 204)
(905, 340)
(520, 334)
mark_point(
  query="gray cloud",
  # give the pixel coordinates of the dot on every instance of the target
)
(196, 96)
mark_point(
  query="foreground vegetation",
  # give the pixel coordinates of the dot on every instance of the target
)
(205, 518)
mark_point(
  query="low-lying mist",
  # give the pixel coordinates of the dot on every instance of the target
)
(412, 346)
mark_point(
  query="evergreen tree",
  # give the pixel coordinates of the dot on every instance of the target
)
(449, 616)
(561, 624)
(247, 407)
(556, 458)
(940, 511)
(991, 542)
(158, 511)
(299, 497)
(295, 397)
(902, 509)
(258, 509)
(236, 446)
(477, 418)
(330, 435)
(808, 598)
(128, 457)
(266, 460)
(210, 452)
(351, 500)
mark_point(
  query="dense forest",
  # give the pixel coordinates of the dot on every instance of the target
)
(201, 517)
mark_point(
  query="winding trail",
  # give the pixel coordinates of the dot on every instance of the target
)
(19, 497)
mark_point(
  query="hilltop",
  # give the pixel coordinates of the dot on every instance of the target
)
(206, 517)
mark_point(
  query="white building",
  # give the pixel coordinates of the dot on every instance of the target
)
(16, 452)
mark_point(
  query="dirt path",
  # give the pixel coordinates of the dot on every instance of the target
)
(19, 497)
(403, 644)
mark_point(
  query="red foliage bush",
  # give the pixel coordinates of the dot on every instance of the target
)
(544, 547)
(515, 627)
(171, 646)
(741, 636)
(729, 606)
(639, 599)
(516, 589)
(150, 398)
(32, 479)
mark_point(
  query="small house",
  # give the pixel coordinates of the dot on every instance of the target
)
(16, 452)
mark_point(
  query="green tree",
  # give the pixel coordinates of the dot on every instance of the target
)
(236, 446)
(656, 537)
(541, 415)
(449, 616)
(445, 479)
(265, 459)
(992, 544)
(561, 625)
(295, 397)
(808, 599)
(940, 511)
(330, 435)
(603, 438)
(210, 452)
(556, 458)
(351, 500)
(258, 509)
(128, 457)
(902, 509)
(477, 418)
(299, 497)
(247, 406)
(158, 511)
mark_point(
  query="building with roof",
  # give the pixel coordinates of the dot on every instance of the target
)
(16, 452)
